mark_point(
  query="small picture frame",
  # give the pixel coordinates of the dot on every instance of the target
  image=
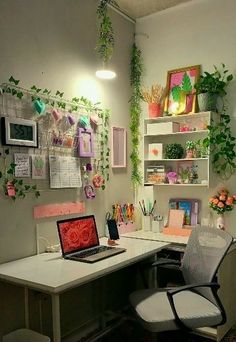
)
(181, 95)
(118, 147)
(85, 143)
(19, 132)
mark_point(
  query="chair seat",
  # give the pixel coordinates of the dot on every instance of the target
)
(153, 308)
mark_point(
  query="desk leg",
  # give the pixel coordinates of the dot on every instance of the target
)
(26, 307)
(56, 321)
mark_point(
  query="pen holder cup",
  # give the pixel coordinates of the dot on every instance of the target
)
(146, 223)
(157, 226)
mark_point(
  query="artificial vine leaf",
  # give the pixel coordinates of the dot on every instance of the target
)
(186, 83)
(175, 91)
(13, 80)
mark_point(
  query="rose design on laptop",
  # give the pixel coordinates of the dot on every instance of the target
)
(78, 234)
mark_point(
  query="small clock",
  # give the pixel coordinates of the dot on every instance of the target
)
(19, 132)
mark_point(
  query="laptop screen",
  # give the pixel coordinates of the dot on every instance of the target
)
(77, 234)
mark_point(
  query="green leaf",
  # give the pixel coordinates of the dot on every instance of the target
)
(186, 83)
(175, 91)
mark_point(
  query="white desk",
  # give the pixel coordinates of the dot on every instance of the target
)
(49, 273)
(149, 235)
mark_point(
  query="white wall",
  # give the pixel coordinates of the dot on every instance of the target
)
(198, 32)
(52, 44)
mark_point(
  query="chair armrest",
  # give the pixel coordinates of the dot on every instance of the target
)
(171, 292)
(192, 286)
(166, 262)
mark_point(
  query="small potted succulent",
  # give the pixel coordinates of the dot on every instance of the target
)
(190, 149)
(172, 177)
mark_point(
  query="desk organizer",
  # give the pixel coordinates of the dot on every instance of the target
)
(185, 231)
(125, 227)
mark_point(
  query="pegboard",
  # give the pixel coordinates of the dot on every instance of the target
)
(57, 135)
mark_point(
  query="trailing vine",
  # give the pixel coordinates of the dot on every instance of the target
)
(222, 145)
(135, 113)
(72, 106)
(106, 41)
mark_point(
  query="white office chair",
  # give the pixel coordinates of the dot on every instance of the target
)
(195, 304)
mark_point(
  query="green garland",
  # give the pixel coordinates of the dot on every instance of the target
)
(106, 41)
(135, 113)
(72, 105)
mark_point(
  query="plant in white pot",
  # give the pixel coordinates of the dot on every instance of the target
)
(210, 86)
(190, 149)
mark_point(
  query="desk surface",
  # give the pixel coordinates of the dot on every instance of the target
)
(50, 273)
(149, 235)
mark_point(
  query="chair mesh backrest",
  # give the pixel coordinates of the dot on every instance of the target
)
(204, 253)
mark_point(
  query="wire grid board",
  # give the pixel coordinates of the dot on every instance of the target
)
(13, 107)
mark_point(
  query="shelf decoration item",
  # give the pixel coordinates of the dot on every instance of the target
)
(162, 128)
(221, 203)
(156, 174)
(181, 98)
(155, 151)
(154, 98)
(174, 151)
(172, 177)
(211, 86)
(190, 149)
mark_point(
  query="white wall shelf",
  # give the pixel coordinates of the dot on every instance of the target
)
(196, 129)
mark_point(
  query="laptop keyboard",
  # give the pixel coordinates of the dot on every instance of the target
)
(93, 251)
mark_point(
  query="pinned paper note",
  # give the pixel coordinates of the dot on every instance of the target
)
(22, 168)
(38, 166)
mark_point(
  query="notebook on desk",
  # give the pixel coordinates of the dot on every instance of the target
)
(79, 240)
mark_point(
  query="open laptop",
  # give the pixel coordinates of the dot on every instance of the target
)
(79, 240)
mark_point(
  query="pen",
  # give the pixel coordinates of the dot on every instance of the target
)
(144, 209)
(154, 203)
(141, 207)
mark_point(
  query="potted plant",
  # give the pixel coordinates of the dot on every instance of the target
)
(172, 177)
(190, 149)
(210, 86)
(174, 151)
(154, 98)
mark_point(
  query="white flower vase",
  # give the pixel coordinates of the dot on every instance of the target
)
(220, 222)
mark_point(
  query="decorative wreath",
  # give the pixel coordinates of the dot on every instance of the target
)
(98, 180)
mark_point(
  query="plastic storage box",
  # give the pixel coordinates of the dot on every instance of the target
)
(162, 128)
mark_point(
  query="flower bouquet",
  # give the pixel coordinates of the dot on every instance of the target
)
(222, 202)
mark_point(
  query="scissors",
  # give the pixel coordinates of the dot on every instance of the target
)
(108, 216)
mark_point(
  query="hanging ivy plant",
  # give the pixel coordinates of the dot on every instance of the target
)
(106, 41)
(105, 150)
(222, 145)
(71, 106)
(135, 113)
